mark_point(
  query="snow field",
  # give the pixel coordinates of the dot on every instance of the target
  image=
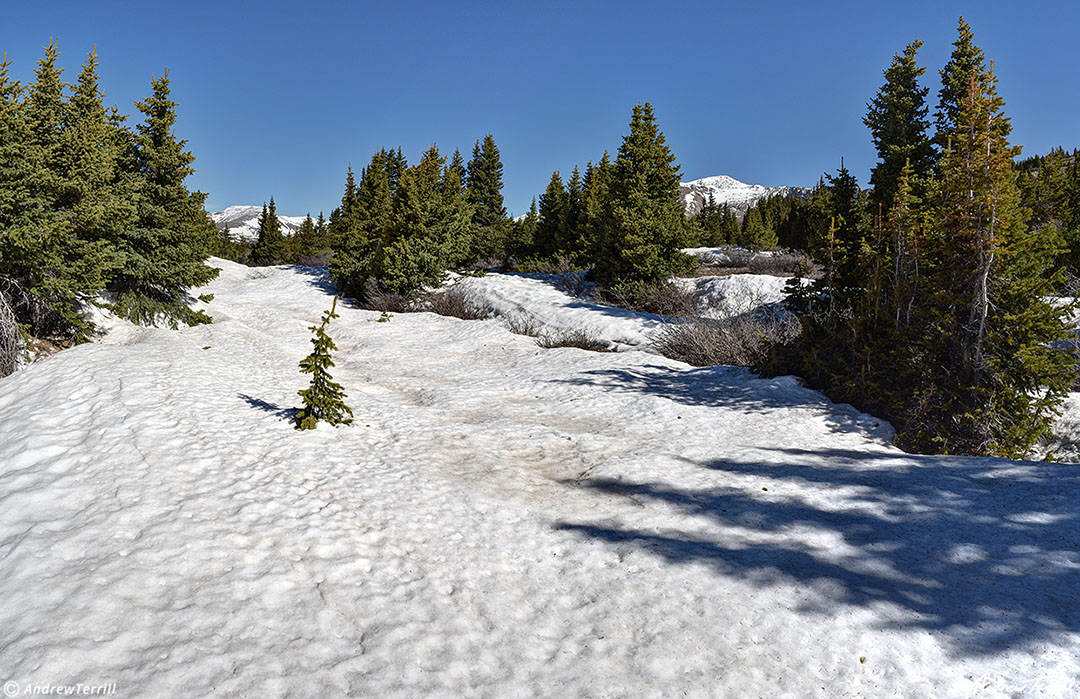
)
(502, 520)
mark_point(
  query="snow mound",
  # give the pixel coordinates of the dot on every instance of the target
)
(502, 520)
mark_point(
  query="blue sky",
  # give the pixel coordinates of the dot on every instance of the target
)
(279, 97)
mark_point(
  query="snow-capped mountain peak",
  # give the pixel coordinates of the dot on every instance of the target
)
(243, 221)
(728, 190)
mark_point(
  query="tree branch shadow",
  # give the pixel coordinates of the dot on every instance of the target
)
(317, 276)
(273, 409)
(732, 387)
(984, 551)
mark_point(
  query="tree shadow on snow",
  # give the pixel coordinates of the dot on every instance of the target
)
(318, 277)
(982, 551)
(282, 413)
(730, 387)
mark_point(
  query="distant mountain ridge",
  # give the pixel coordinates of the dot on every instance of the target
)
(728, 190)
(243, 222)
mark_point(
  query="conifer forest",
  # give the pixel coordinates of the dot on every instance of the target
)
(929, 300)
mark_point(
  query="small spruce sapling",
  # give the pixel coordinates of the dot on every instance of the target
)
(324, 399)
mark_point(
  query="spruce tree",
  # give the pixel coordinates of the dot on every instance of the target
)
(711, 222)
(993, 385)
(270, 246)
(897, 118)
(572, 242)
(324, 399)
(522, 234)
(643, 231)
(456, 216)
(415, 247)
(165, 250)
(966, 62)
(457, 167)
(305, 245)
(49, 262)
(484, 182)
(755, 234)
(551, 229)
(361, 224)
(596, 206)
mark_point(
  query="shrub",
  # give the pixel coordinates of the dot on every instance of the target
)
(377, 298)
(783, 264)
(559, 264)
(662, 299)
(580, 338)
(522, 324)
(742, 340)
(457, 302)
(575, 284)
(742, 261)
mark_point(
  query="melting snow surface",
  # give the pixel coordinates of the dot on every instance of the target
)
(502, 520)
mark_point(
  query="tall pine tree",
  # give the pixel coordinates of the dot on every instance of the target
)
(52, 255)
(165, 250)
(645, 225)
(994, 379)
(898, 123)
(270, 245)
(484, 182)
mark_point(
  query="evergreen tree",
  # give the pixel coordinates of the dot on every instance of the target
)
(523, 233)
(484, 182)
(93, 145)
(966, 62)
(755, 235)
(165, 250)
(935, 318)
(906, 228)
(573, 236)
(458, 169)
(322, 232)
(270, 245)
(456, 215)
(362, 222)
(897, 118)
(551, 229)
(414, 250)
(305, 246)
(641, 236)
(1050, 189)
(712, 224)
(994, 381)
(324, 399)
(596, 206)
(49, 263)
(44, 113)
